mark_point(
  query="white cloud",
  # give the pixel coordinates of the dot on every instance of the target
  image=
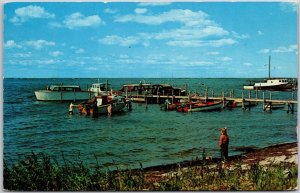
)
(22, 55)
(288, 6)
(77, 20)
(11, 44)
(212, 53)
(186, 17)
(39, 44)
(140, 11)
(55, 25)
(238, 36)
(225, 59)
(110, 11)
(200, 43)
(79, 51)
(196, 29)
(260, 33)
(56, 53)
(247, 64)
(264, 51)
(118, 40)
(187, 33)
(30, 12)
(124, 56)
(281, 49)
(221, 42)
(46, 61)
(154, 4)
(185, 43)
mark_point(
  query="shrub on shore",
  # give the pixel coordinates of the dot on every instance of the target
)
(38, 172)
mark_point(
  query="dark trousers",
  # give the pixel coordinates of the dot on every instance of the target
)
(224, 152)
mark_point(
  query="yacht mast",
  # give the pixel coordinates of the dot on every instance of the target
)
(269, 67)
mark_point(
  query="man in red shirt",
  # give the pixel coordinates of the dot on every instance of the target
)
(223, 144)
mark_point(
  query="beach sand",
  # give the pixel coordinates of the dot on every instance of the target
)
(269, 155)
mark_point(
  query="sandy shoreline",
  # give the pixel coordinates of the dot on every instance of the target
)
(287, 152)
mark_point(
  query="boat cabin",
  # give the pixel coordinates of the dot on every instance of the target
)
(100, 88)
(154, 89)
(65, 88)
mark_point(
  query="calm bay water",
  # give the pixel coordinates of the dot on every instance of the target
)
(149, 136)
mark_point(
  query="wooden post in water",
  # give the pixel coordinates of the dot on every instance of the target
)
(270, 95)
(206, 94)
(223, 98)
(212, 93)
(173, 96)
(243, 101)
(264, 101)
(256, 96)
(189, 99)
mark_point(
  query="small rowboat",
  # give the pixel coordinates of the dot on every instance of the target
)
(201, 106)
(274, 106)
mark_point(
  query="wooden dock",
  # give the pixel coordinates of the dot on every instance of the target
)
(245, 101)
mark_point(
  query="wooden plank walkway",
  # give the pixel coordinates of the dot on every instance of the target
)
(141, 98)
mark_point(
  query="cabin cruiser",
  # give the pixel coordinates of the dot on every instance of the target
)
(278, 84)
(63, 93)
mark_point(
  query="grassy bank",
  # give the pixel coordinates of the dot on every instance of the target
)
(41, 172)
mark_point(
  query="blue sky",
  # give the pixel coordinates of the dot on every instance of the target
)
(192, 39)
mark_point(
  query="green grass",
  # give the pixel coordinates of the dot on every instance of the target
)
(39, 172)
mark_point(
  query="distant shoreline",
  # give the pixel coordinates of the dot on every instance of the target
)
(144, 77)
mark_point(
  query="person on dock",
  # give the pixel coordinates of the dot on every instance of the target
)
(109, 110)
(223, 144)
(140, 88)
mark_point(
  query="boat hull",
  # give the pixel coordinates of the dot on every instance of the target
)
(206, 107)
(89, 109)
(116, 107)
(275, 106)
(46, 95)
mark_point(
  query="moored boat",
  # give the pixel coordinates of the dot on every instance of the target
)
(102, 105)
(276, 84)
(63, 93)
(206, 106)
(103, 89)
(274, 106)
(201, 106)
(137, 91)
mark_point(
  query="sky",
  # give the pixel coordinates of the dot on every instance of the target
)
(150, 40)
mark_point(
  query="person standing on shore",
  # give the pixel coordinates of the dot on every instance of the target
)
(223, 144)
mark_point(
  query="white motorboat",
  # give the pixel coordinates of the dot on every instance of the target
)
(272, 84)
(63, 93)
(276, 84)
(101, 89)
